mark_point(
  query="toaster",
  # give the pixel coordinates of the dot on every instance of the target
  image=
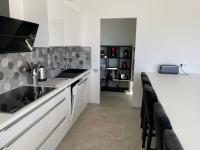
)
(169, 69)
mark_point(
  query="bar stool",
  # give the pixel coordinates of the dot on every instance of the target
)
(145, 80)
(161, 122)
(143, 74)
(170, 141)
(150, 98)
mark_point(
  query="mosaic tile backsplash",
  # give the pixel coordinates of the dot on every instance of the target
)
(55, 57)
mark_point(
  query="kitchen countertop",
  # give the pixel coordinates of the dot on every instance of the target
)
(179, 96)
(59, 83)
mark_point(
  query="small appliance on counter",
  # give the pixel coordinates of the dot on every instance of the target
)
(169, 69)
(42, 76)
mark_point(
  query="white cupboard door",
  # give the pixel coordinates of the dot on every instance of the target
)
(53, 141)
(38, 133)
(86, 93)
(68, 108)
(79, 103)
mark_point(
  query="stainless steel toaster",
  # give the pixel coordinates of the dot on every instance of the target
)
(169, 69)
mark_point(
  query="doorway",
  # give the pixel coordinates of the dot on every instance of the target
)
(117, 54)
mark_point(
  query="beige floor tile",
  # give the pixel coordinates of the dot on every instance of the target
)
(112, 125)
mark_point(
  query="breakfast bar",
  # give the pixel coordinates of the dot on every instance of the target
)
(180, 97)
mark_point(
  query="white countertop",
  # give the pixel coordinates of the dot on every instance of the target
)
(60, 84)
(180, 97)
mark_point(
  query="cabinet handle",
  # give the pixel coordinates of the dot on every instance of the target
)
(54, 129)
(34, 109)
(32, 125)
(95, 70)
(82, 81)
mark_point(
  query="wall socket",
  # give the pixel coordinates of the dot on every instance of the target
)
(182, 65)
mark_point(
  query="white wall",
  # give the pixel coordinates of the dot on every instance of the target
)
(56, 20)
(118, 31)
(64, 23)
(167, 32)
(56, 32)
(16, 9)
(72, 27)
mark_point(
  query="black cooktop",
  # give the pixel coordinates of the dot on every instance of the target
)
(16, 99)
(71, 73)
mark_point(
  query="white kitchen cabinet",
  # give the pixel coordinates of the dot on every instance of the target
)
(86, 93)
(36, 11)
(57, 136)
(49, 14)
(79, 98)
(37, 128)
(34, 137)
(59, 22)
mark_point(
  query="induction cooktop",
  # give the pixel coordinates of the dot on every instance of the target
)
(18, 98)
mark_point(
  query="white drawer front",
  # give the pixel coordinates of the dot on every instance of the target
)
(35, 136)
(56, 137)
(12, 132)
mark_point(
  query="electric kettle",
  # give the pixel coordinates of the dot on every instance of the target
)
(42, 76)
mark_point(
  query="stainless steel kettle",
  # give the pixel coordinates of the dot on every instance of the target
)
(42, 76)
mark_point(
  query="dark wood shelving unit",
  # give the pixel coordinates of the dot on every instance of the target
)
(116, 67)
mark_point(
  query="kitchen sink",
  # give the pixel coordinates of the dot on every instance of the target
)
(71, 73)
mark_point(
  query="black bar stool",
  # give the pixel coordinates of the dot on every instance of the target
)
(170, 141)
(143, 74)
(150, 98)
(145, 80)
(161, 122)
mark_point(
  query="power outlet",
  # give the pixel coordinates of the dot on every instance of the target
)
(183, 65)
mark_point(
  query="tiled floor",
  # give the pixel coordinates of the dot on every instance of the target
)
(112, 125)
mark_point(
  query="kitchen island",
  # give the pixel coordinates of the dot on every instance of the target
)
(180, 98)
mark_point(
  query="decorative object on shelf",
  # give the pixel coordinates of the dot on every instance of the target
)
(124, 65)
(102, 66)
(113, 52)
(123, 76)
(102, 53)
(113, 74)
(126, 53)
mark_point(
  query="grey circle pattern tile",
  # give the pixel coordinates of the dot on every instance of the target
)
(1, 75)
(10, 65)
(7, 86)
(81, 62)
(77, 55)
(16, 76)
(4, 62)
